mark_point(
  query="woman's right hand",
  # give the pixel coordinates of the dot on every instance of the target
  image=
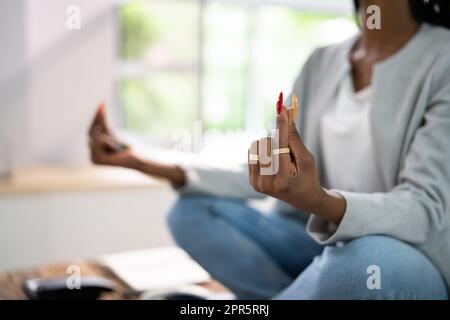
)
(105, 148)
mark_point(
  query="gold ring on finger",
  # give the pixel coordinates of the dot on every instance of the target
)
(281, 151)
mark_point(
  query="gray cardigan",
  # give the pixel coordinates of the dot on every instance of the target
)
(410, 120)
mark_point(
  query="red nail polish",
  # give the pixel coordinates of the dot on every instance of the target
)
(101, 107)
(280, 103)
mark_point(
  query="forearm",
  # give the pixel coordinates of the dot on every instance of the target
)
(171, 172)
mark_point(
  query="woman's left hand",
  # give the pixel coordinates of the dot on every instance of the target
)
(291, 177)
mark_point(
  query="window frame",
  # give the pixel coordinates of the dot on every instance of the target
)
(128, 69)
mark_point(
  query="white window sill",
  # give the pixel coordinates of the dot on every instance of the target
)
(70, 179)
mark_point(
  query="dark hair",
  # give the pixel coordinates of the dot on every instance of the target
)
(435, 12)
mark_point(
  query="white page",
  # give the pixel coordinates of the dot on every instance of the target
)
(155, 269)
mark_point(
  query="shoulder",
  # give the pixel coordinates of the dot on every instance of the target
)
(329, 53)
(440, 34)
(340, 48)
(436, 41)
(328, 58)
(439, 45)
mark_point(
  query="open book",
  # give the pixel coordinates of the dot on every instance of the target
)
(155, 269)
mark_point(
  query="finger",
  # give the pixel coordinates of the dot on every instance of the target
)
(295, 149)
(302, 157)
(101, 114)
(265, 152)
(283, 128)
(96, 121)
(106, 143)
(290, 112)
(99, 124)
(253, 167)
(294, 135)
(98, 153)
(294, 107)
(281, 140)
(293, 170)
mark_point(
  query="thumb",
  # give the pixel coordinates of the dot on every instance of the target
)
(302, 156)
(295, 147)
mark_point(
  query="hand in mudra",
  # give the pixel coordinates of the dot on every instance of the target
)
(105, 148)
(282, 167)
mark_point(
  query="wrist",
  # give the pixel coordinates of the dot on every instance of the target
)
(313, 202)
(171, 172)
(331, 206)
(319, 202)
(135, 163)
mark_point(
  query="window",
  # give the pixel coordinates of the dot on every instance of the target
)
(222, 62)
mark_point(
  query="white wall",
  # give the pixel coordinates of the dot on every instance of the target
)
(49, 228)
(52, 78)
(12, 75)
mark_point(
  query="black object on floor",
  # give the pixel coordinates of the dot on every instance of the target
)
(57, 289)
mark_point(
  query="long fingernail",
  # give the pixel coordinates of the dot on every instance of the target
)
(101, 107)
(295, 107)
(280, 103)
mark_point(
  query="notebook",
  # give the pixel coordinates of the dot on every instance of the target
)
(155, 269)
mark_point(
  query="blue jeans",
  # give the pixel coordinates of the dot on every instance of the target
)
(260, 256)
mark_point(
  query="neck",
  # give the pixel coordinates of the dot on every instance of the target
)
(397, 25)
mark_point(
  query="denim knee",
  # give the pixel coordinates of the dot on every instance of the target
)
(376, 267)
(187, 211)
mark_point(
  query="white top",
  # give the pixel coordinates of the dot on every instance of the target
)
(347, 142)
